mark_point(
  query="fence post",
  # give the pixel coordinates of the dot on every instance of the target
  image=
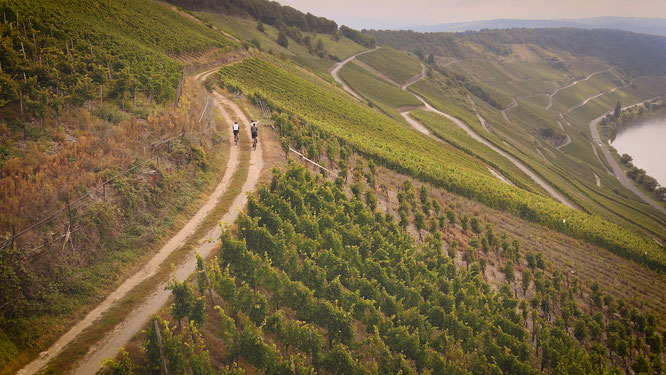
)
(179, 90)
(163, 369)
(210, 288)
(69, 213)
(104, 190)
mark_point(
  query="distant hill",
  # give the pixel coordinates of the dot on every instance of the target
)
(637, 54)
(656, 26)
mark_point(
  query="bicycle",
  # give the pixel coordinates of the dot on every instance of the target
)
(236, 130)
(254, 142)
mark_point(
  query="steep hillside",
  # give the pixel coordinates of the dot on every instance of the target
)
(637, 54)
(301, 286)
(450, 206)
(97, 165)
(534, 93)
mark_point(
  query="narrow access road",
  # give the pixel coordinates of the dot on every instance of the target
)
(550, 96)
(565, 132)
(140, 316)
(514, 104)
(554, 193)
(481, 119)
(617, 171)
(148, 270)
(335, 68)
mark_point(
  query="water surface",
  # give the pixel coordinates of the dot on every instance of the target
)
(645, 141)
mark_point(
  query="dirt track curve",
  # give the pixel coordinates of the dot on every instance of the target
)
(140, 316)
(334, 72)
(550, 96)
(555, 194)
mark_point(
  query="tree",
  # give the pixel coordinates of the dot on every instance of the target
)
(626, 159)
(525, 280)
(475, 225)
(282, 39)
(451, 250)
(419, 222)
(618, 110)
(464, 222)
(451, 216)
(260, 27)
(483, 263)
(580, 330)
(468, 256)
(641, 365)
(509, 271)
(197, 313)
(184, 300)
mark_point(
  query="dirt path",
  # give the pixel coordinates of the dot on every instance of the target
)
(514, 104)
(617, 171)
(554, 193)
(144, 273)
(599, 158)
(550, 96)
(335, 68)
(597, 179)
(565, 132)
(481, 119)
(137, 319)
(141, 315)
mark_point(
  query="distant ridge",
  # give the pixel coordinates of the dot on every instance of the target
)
(656, 26)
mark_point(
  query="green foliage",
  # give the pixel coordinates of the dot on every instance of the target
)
(184, 299)
(397, 65)
(122, 366)
(61, 53)
(282, 39)
(382, 94)
(635, 53)
(268, 12)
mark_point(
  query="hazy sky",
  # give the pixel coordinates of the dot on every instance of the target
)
(401, 13)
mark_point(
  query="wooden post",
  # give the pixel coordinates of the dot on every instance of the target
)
(69, 213)
(163, 369)
(210, 288)
(13, 235)
(104, 190)
(101, 96)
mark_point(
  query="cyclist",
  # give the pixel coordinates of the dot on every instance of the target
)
(255, 133)
(236, 129)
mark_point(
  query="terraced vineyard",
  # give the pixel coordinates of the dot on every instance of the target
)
(301, 287)
(380, 93)
(392, 145)
(450, 132)
(397, 65)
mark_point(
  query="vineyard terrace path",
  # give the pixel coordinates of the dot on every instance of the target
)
(139, 317)
(554, 193)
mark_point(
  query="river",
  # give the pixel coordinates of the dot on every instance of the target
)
(644, 140)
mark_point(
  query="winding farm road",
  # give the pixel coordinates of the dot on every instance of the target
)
(140, 316)
(554, 193)
(550, 96)
(481, 119)
(335, 68)
(617, 171)
(514, 104)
